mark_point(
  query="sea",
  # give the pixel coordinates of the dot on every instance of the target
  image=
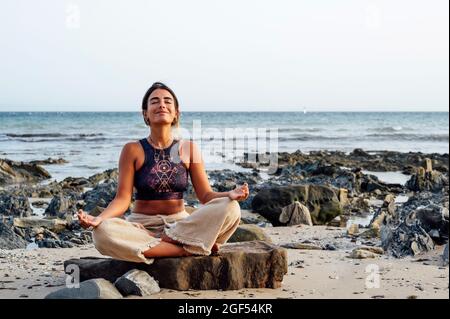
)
(91, 142)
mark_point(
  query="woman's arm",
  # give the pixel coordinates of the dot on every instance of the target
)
(118, 206)
(200, 180)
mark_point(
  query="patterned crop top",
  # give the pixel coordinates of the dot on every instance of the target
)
(160, 177)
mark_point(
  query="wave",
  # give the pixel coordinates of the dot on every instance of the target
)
(397, 128)
(369, 137)
(411, 137)
(51, 135)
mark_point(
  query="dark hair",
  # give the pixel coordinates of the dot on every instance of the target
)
(159, 85)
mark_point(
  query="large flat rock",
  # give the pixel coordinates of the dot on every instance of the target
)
(253, 264)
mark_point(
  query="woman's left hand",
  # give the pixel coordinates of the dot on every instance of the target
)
(240, 193)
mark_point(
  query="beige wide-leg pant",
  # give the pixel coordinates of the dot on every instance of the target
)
(215, 221)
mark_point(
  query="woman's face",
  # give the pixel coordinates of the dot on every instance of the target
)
(160, 108)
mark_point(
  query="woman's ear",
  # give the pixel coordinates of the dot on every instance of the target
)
(144, 115)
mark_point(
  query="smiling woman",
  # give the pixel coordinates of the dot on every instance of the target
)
(158, 167)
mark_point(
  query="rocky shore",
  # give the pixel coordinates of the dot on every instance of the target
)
(325, 208)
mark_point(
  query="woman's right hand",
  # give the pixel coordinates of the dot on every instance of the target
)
(87, 220)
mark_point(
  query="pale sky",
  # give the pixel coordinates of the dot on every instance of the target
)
(233, 55)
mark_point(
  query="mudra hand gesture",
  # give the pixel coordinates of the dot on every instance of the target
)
(240, 193)
(87, 221)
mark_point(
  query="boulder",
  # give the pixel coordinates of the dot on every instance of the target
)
(9, 239)
(15, 205)
(254, 264)
(434, 220)
(90, 289)
(12, 172)
(138, 283)
(56, 225)
(295, 214)
(424, 180)
(322, 202)
(249, 217)
(60, 206)
(249, 233)
(101, 195)
(409, 238)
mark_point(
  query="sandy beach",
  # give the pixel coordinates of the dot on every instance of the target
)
(311, 273)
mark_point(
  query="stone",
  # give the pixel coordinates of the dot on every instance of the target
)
(138, 283)
(12, 172)
(305, 246)
(15, 205)
(254, 264)
(445, 255)
(322, 202)
(55, 225)
(249, 217)
(373, 249)
(9, 239)
(408, 238)
(90, 289)
(433, 220)
(353, 230)
(295, 214)
(428, 165)
(362, 254)
(101, 195)
(60, 206)
(249, 232)
(343, 196)
(433, 181)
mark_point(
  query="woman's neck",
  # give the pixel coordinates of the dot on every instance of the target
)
(161, 137)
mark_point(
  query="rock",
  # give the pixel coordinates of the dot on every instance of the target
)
(255, 264)
(433, 220)
(15, 205)
(249, 233)
(55, 225)
(49, 161)
(305, 246)
(358, 152)
(295, 214)
(362, 254)
(409, 238)
(9, 239)
(12, 172)
(339, 221)
(90, 289)
(108, 175)
(60, 206)
(343, 196)
(248, 217)
(424, 180)
(138, 283)
(373, 249)
(321, 201)
(101, 195)
(353, 230)
(445, 255)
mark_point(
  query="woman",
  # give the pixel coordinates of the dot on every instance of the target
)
(158, 167)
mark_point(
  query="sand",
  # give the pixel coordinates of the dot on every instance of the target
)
(311, 273)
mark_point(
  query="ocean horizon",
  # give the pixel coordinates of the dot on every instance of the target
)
(91, 141)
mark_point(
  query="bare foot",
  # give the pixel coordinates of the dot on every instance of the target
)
(167, 239)
(215, 248)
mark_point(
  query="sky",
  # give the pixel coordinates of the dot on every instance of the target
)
(234, 55)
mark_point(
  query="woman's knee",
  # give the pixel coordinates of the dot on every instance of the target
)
(102, 234)
(232, 209)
